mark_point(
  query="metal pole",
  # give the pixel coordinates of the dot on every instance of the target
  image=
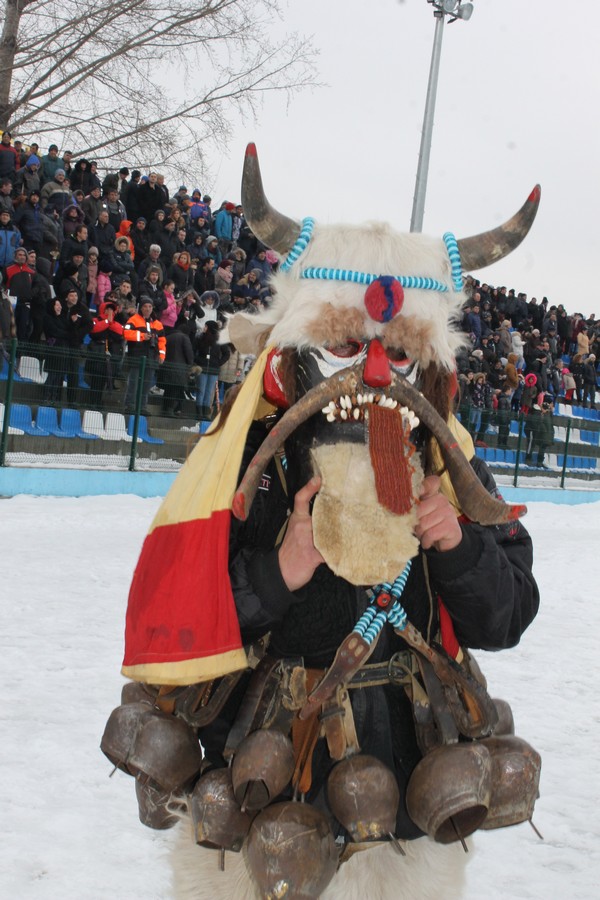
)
(416, 222)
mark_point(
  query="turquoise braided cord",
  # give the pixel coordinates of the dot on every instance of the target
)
(365, 620)
(397, 616)
(376, 627)
(301, 244)
(399, 584)
(455, 260)
(320, 273)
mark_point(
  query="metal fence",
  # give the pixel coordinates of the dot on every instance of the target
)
(85, 409)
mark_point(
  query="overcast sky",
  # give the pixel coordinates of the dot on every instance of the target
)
(518, 103)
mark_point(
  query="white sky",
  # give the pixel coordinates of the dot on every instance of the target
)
(517, 104)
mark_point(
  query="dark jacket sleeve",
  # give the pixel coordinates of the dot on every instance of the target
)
(486, 583)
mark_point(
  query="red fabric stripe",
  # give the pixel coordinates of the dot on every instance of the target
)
(180, 603)
(449, 641)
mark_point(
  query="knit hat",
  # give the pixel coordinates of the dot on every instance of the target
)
(60, 172)
(257, 272)
(33, 160)
(230, 207)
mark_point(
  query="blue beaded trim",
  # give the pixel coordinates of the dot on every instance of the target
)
(406, 281)
(301, 244)
(455, 263)
(371, 623)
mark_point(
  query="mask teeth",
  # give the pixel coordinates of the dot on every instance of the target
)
(356, 407)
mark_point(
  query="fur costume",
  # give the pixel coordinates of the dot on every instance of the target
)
(353, 383)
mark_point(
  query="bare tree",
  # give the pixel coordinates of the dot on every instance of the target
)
(147, 81)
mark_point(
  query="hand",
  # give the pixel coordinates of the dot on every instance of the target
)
(298, 556)
(438, 526)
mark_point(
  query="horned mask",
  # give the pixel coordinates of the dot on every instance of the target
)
(367, 312)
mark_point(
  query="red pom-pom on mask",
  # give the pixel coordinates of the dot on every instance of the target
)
(384, 298)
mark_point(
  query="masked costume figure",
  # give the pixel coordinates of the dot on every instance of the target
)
(329, 553)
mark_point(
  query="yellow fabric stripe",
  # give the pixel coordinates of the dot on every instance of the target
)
(208, 480)
(188, 671)
(465, 443)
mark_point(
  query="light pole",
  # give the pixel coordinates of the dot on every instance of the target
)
(456, 9)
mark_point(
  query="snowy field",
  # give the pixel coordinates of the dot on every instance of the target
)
(69, 832)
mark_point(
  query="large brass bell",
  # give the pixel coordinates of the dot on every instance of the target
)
(516, 768)
(448, 795)
(157, 808)
(217, 818)
(291, 852)
(166, 751)
(262, 767)
(363, 795)
(121, 732)
(506, 722)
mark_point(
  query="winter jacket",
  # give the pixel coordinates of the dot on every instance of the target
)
(10, 238)
(56, 197)
(106, 336)
(29, 220)
(209, 354)
(50, 167)
(9, 162)
(28, 180)
(485, 583)
(104, 239)
(223, 225)
(19, 281)
(145, 337)
(179, 358)
(78, 327)
(153, 292)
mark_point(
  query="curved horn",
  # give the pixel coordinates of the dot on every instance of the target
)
(271, 227)
(484, 249)
(476, 503)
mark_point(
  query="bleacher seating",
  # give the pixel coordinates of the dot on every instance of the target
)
(11, 429)
(115, 429)
(143, 434)
(22, 417)
(31, 370)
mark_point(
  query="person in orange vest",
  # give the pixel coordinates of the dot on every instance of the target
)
(145, 336)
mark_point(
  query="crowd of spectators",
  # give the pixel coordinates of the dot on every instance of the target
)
(117, 262)
(523, 357)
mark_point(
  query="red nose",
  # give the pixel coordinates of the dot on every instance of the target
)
(377, 367)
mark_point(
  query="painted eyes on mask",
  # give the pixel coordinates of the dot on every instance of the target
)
(347, 350)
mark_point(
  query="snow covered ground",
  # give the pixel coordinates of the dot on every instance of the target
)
(69, 832)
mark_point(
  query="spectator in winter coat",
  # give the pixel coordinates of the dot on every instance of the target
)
(81, 177)
(145, 338)
(10, 239)
(72, 216)
(103, 352)
(140, 240)
(261, 262)
(539, 432)
(170, 313)
(230, 372)
(223, 227)
(56, 195)
(156, 224)
(504, 416)
(9, 158)
(204, 280)
(121, 261)
(28, 178)
(150, 197)
(78, 240)
(92, 279)
(92, 206)
(50, 164)
(153, 259)
(505, 344)
(8, 328)
(212, 250)
(55, 330)
(104, 235)
(210, 356)
(116, 209)
(512, 376)
(19, 282)
(41, 294)
(480, 398)
(583, 341)
(150, 289)
(590, 378)
(223, 279)
(104, 283)
(79, 324)
(168, 241)
(29, 220)
(239, 264)
(181, 273)
(175, 375)
(6, 201)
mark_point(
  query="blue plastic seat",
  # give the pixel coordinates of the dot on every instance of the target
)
(70, 425)
(510, 456)
(142, 431)
(4, 373)
(22, 417)
(479, 451)
(204, 426)
(47, 420)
